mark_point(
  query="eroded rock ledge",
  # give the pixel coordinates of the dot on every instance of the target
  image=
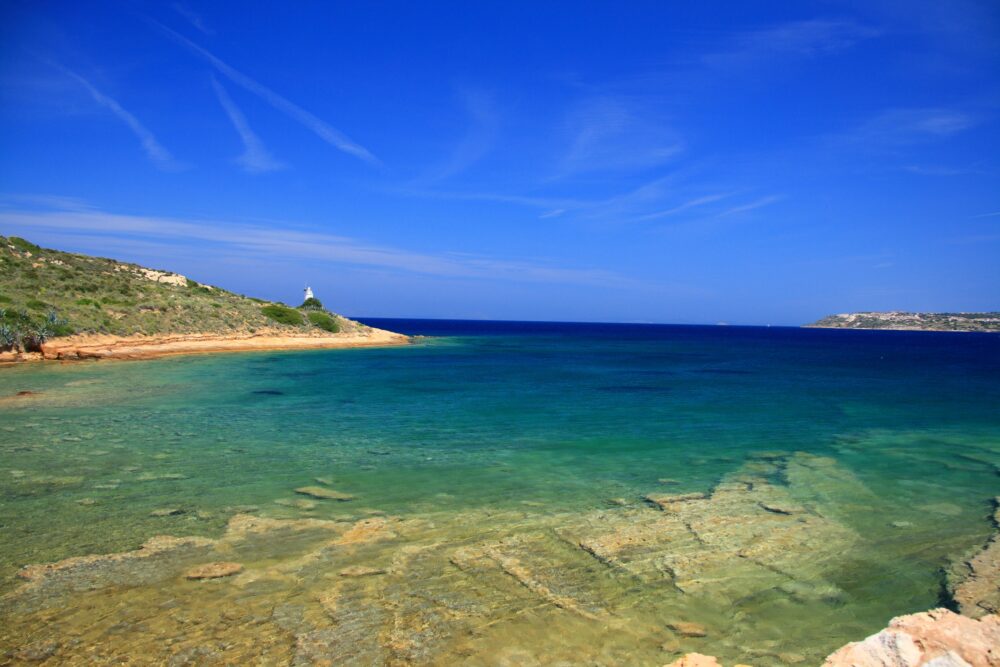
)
(936, 638)
(974, 583)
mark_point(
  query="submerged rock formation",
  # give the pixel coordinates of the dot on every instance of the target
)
(323, 493)
(720, 572)
(974, 583)
(214, 570)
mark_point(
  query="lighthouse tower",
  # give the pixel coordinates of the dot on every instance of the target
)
(309, 293)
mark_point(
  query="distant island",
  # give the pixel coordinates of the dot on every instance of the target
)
(912, 321)
(60, 305)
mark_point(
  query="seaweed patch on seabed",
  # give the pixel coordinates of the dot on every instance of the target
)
(724, 571)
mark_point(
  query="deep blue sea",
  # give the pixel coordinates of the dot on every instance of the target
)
(543, 421)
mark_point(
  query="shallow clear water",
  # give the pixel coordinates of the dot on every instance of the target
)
(545, 420)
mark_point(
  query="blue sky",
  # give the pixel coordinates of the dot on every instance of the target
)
(766, 162)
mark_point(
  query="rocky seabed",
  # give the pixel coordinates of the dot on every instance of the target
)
(671, 579)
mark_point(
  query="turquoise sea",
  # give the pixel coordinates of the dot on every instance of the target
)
(500, 448)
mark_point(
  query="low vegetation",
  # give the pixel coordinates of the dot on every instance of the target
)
(913, 321)
(282, 314)
(325, 321)
(47, 293)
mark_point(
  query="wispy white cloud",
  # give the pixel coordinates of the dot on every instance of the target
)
(935, 170)
(973, 239)
(616, 133)
(986, 215)
(751, 206)
(484, 122)
(633, 205)
(555, 206)
(60, 202)
(680, 208)
(289, 243)
(324, 131)
(255, 158)
(192, 17)
(153, 149)
(531, 201)
(803, 39)
(717, 221)
(899, 127)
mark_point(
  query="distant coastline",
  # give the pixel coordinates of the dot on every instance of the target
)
(904, 321)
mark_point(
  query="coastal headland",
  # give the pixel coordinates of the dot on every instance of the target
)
(64, 306)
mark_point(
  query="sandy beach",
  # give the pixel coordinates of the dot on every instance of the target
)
(151, 347)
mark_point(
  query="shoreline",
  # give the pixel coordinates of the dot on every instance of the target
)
(813, 326)
(84, 347)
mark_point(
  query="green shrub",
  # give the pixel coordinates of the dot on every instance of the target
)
(62, 329)
(22, 244)
(193, 285)
(35, 304)
(312, 303)
(5, 299)
(282, 314)
(324, 321)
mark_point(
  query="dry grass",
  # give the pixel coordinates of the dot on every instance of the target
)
(95, 295)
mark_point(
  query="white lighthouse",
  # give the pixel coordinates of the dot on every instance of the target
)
(309, 293)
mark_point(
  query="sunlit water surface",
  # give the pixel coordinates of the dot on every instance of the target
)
(485, 427)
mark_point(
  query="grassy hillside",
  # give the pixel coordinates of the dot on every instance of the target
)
(47, 293)
(913, 321)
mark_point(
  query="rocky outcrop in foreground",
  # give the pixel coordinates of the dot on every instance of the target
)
(938, 637)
